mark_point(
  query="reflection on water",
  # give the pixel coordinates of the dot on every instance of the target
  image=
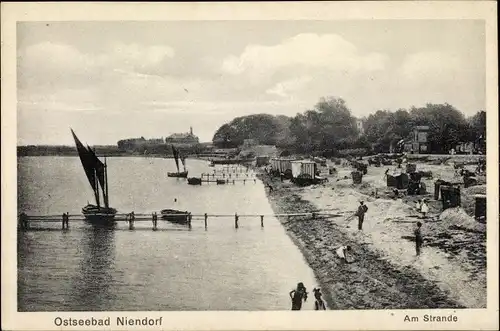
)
(88, 268)
(92, 282)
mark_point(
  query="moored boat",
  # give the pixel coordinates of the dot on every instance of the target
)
(177, 156)
(194, 181)
(97, 176)
(182, 174)
(176, 216)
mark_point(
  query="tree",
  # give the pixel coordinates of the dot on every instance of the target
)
(447, 125)
(477, 125)
(263, 128)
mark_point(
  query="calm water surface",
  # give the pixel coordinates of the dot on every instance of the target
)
(87, 269)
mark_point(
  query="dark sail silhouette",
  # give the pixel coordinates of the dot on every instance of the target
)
(87, 163)
(176, 157)
(100, 170)
(97, 175)
(182, 174)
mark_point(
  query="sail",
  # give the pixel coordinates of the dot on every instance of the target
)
(183, 160)
(176, 157)
(98, 166)
(86, 159)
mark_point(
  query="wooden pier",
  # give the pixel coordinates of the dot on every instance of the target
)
(26, 220)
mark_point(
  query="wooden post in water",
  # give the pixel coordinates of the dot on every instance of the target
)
(236, 220)
(190, 216)
(63, 220)
(130, 221)
(206, 218)
(261, 221)
(154, 221)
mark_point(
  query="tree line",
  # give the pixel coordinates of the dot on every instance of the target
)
(330, 126)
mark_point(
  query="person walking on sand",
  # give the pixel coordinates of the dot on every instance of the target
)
(319, 304)
(362, 209)
(424, 208)
(418, 238)
(297, 295)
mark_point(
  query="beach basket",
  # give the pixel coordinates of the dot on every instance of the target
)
(357, 177)
(392, 181)
(450, 196)
(480, 209)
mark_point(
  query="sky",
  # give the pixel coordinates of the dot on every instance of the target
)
(115, 80)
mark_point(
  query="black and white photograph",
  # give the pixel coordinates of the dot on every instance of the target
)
(222, 165)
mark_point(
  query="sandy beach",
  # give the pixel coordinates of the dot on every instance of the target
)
(450, 272)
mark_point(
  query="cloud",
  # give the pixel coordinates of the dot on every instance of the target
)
(431, 66)
(328, 51)
(49, 63)
(283, 89)
(139, 56)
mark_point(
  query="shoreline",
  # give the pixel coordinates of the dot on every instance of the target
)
(372, 282)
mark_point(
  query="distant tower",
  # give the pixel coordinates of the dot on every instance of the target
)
(191, 130)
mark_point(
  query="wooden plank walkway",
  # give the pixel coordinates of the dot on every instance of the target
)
(141, 217)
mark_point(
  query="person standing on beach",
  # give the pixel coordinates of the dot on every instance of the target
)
(319, 304)
(418, 238)
(362, 209)
(297, 295)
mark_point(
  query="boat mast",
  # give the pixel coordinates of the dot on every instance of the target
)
(97, 189)
(106, 201)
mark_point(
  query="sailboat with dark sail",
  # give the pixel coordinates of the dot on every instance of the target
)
(97, 174)
(177, 156)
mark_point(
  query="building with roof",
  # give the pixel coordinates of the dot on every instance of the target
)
(183, 138)
(420, 144)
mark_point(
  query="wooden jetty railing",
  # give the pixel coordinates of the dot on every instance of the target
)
(25, 220)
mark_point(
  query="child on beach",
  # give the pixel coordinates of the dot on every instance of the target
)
(297, 295)
(424, 208)
(319, 304)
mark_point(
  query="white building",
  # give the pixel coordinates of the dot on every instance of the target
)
(360, 126)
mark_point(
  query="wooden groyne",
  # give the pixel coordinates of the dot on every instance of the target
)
(65, 220)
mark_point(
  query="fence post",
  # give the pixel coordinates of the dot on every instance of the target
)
(206, 217)
(236, 220)
(261, 221)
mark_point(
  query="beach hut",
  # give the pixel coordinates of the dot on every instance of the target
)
(305, 167)
(282, 166)
(304, 172)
